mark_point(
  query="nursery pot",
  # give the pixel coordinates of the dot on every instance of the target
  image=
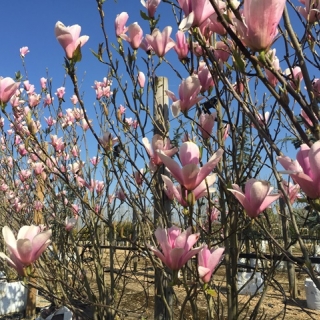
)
(13, 297)
(250, 284)
(312, 294)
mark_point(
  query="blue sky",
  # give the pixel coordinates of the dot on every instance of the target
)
(32, 24)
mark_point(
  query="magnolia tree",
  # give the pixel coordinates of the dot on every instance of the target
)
(200, 182)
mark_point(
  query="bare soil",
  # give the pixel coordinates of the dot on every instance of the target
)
(135, 289)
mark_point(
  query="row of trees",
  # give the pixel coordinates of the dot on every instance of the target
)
(247, 95)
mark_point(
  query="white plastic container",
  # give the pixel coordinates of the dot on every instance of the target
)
(312, 295)
(67, 314)
(13, 297)
(248, 285)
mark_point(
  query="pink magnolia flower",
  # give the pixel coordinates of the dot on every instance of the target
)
(305, 171)
(190, 175)
(188, 95)
(138, 177)
(292, 190)
(208, 261)
(38, 168)
(34, 100)
(260, 23)
(151, 6)
(176, 246)
(144, 45)
(43, 83)
(95, 160)
(60, 92)
(69, 38)
(27, 248)
(74, 99)
(134, 37)
(205, 77)
(263, 119)
(256, 197)
(107, 141)
(24, 51)
(316, 87)
(182, 46)
(48, 100)
(120, 22)
(141, 79)
(206, 123)
(196, 11)
(176, 192)
(215, 215)
(275, 65)
(215, 24)
(120, 194)
(311, 11)
(158, 143)
(121, 109)
(8, 88)
(70, 223)
(160, 42)
(50, 121)
(222, 51)
(57, 143)
(295, 76)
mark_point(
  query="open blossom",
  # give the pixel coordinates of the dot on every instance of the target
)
(50, 121)
(202, 190)
(305, 171)
(176, 246)
(120, 22)
(57, 143)
(69, 38)
(48, 100)
(60, 92)
(311, 11)
(107, 141)
(260, 23)
(256, 197)
(160, 42)
(95, 160)
(74, 99)
(24, 51)
(134, 36)
(190, 175)
(295, 76)
(196, 11)
(208, 261)
(292, 190)
(151, 6)
(31, 242)
(188, 95)
(158, 144)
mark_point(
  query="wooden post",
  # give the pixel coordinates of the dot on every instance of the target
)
(162, 204)
(287, 239)
(32, 291)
